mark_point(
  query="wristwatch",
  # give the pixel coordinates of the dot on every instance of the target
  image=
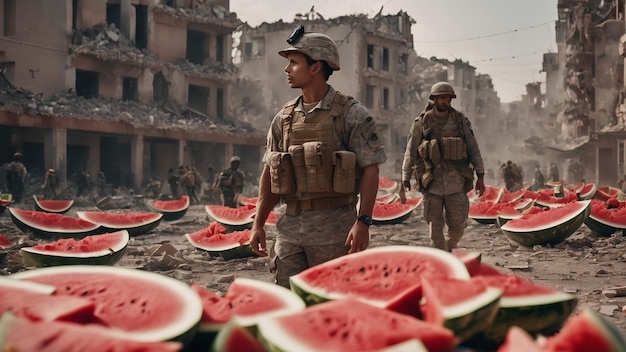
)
(366, 219)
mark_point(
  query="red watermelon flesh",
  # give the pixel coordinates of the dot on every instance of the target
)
(386, 184)
(26, 303)
(518, 340)
(220, 241)
(131, 304)
(248, 201)
(540, 220)
(214, 228)
(350, 325)
(171, 205)
(5, 242)
(88, 244)
(235, 338)
(415, 201)
(546, 198)
(18, 334)
(231, 216)
(272, 218)
(586, 331)
(440, 292)
(391, 213)
(53, 222)
(120, 220)
(511, 196)
(515, 286)
(491, 194)
(615, 217)
(487, 270)
(471, 261)
(55, 206)
(606, 192)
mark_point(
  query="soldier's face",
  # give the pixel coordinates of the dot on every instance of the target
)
(299, 73)
(442, 102)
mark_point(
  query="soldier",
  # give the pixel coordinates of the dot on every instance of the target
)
(554, 172)
(230, 181)
(50, 184)
(540, 180)
(307, 136)
(188, 181)
(172, 181)
(512, 176)
(15, 173)
(439, 151)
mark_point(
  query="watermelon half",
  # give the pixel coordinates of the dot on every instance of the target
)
(136, 223)
(17, 334)
(586, 191)
(387, 185)
(228, 246)
(350, 325)
(235, 219)
(386, 277)
(101, 249)
(52, 225)
(534, 308)
(134, 304)
(171, 209)
(549, 227)
(487, 212)
(392, 213)
(52, 205)
(466, 307)
(605, 221)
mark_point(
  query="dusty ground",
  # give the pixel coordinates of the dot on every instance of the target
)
(584, 264)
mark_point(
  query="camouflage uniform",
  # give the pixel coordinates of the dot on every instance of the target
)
(315, 236)
(447, 190)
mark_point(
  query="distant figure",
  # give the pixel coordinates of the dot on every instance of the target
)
(622, 184)
(50, 185)
(172, 181)
(82, 182)
(101, 184)
(210, 177)
(554, 172)
(188, 181)
(540, 180)
(153, 188)
(512, 176)
(575, 171)
(230, 181)
(15, 173)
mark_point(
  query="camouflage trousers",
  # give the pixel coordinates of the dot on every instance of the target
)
(309, 238)
(456, 207)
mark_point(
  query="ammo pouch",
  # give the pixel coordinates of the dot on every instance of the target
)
(453, 148)
(344, 173)
(312, 163)
(429, 150)
(468, 178)
(282, 179)
(426, 178)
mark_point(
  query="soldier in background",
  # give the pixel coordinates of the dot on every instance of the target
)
(512, 176)
(172, 181)
(230, 182)
(554, 172)
(15, 173)
(50, 185)
(540, 181)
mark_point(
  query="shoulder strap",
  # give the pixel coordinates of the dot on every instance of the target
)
(287, 120)
(459, 118)
(339, 110)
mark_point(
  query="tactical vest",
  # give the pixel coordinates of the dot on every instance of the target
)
(322, 167)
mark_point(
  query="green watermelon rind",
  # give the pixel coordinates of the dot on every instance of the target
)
(540, 314)
(133, 230)
(40, 207)
(312, 295)
(182, 331)
(40, 231)
(600, 227)
(170, 215)
(227, 251)
(550, 234)
(589, 195)
(245, 224)
(468, 318)
(38, 258)
(396, 219)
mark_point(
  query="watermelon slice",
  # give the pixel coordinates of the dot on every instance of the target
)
(466, 307)
(518, 340)
(248, 201)
(22, 335)
(139, 305)
(387, 185)
(549, 227)
(102, 249)
(470, 259)
(534, 308)
(587, 191)
(248, 301)
(587, 331)
(228, 246)
(604, 220)
(52, 225)
(33, 301)
(605, 193)
(486, 213)
(508, 197)
(236, 338)
(350, 325)
(386, 277)
(171, 209)
(393, 213)
(235, 219)
(507, 214)
(388, 198)
(491, 194)
(52, 206)
(136, 223)
(548, 200)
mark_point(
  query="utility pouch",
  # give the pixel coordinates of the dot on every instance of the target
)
(468, 178)
(318, 166)
(434, 153)
(454, 148)
(297, 158)
(344, 173)
(423, 149)
(282, 179)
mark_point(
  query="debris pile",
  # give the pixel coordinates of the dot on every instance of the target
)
(202, 12)
(209, 69)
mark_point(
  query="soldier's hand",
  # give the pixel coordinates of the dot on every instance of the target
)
(407, 185)
(358, 237)
(258, 243)
(480, 186)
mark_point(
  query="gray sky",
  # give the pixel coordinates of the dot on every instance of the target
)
(503, 38)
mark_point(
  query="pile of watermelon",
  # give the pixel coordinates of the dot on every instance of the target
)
(413, 298)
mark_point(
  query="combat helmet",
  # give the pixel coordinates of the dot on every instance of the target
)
(317, 46)
(235, 159)
(441, 88)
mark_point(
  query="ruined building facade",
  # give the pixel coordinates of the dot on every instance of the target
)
(379, 67)
(128, 87)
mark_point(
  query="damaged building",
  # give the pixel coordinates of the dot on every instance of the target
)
(128, 87)
(379, 67)
(585, 89)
